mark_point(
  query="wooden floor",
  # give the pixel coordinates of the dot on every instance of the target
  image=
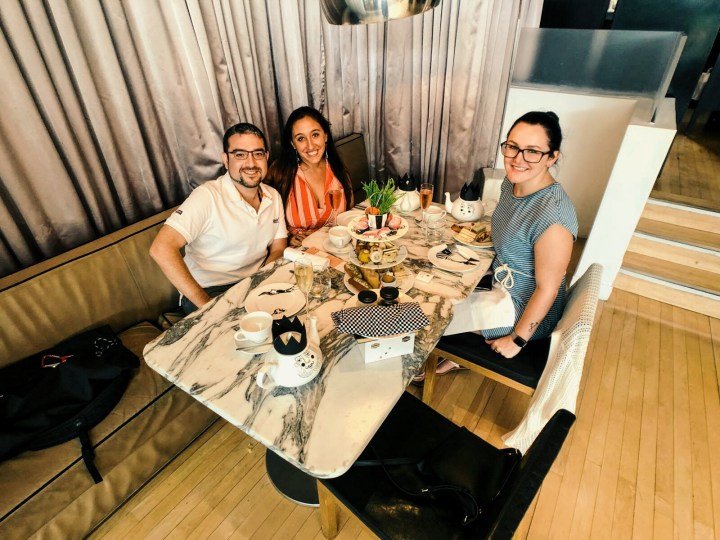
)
(691, 174)
(642, 461)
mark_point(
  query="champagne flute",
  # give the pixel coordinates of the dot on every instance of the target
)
(335, 200)
(304, 280)
(426, 195)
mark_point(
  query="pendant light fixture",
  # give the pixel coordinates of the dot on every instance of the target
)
(373, 11)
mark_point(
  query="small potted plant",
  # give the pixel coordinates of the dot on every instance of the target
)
(380, 200)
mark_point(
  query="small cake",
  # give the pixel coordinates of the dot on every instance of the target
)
(400, 272)
(389, 252)
(466, 235)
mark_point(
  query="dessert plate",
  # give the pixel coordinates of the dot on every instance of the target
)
(391, 234)
(277, 299)
(454, 262)
(401, 256)
(404, 285)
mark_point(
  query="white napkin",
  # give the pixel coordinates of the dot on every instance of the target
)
(319, 263)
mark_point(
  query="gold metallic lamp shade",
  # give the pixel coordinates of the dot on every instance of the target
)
(373, 11)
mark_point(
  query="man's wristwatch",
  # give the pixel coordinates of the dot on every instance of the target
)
(517, 340)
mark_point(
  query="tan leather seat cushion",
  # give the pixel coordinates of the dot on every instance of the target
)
(112, 280)
(50, 491)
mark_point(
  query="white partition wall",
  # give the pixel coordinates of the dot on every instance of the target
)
(593, 130)
(642, 154)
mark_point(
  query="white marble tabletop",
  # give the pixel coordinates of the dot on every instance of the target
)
(323, 426)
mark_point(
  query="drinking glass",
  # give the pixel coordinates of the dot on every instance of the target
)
(335, 200)
(426, 195)
(304, 280)
(435, 231)
(322, 283)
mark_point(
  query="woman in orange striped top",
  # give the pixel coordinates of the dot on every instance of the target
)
(307, 170)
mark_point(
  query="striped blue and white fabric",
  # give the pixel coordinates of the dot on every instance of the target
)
(517, 223)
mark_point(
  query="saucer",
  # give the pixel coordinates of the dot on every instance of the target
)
(346, 217)
(332, 248)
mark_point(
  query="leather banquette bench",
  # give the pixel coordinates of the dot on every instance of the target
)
(112, 280)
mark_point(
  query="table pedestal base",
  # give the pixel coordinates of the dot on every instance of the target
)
(293, 483)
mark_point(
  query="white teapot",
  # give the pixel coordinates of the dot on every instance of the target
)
(295, 358)
(409, 200)
(463, 210)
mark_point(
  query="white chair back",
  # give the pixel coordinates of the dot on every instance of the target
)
(559, 383)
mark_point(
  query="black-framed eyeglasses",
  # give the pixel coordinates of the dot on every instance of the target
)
(529, 154)
(242, 155)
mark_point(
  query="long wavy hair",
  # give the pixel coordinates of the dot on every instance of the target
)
(283, 170)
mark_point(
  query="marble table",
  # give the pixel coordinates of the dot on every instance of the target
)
(455, 287)
(322, 427)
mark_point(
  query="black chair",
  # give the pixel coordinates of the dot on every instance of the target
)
(411, 431)
(523, 372)
(353, 154)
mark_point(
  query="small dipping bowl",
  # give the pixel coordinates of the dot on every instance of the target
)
(367, 298)
(389, 296)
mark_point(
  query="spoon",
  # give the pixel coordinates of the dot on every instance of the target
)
(255, 348)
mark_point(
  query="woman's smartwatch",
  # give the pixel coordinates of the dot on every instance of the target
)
(517, 340)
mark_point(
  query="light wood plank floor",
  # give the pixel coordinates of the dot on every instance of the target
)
(641, 461)
(691, 174)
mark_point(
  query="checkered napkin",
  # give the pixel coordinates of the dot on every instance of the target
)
(378, 321)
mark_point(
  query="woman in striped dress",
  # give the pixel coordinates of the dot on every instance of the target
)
(533, 229)
(308, 169)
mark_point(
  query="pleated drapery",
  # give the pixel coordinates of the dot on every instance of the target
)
(113, 110)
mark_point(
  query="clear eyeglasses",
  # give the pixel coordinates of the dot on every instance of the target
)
(242, 155)
(529, 154)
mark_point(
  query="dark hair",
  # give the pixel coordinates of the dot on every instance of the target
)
(548, 120)
(282, 172)
(243, 128)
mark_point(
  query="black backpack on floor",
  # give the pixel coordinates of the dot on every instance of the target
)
(61, 393)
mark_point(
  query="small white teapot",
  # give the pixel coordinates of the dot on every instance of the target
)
(468, 207)
(295, 358)
(409, 197)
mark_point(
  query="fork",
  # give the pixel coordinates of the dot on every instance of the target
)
(273, 292)
(447, 251)
(448, 257)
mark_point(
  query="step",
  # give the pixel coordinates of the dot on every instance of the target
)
(683, 224)
(679, 273)
(687, 265)
(694, 237)
(685, 200)
(674, 257)
(669, 293)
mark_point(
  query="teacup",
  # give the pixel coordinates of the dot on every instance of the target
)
(339, 236)
(256, 326)
(433, 213)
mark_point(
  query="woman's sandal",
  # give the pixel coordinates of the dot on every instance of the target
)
(443, 367)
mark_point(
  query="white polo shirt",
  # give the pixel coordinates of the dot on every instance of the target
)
(227, 239)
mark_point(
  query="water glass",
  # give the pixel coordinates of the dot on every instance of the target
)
(435, 231)
(322, 283)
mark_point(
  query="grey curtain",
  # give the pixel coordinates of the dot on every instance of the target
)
(113, 110)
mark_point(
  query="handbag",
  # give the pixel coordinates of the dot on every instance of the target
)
(61, 393)
(460, 477)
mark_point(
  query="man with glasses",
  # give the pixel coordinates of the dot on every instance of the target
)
(229, 227)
